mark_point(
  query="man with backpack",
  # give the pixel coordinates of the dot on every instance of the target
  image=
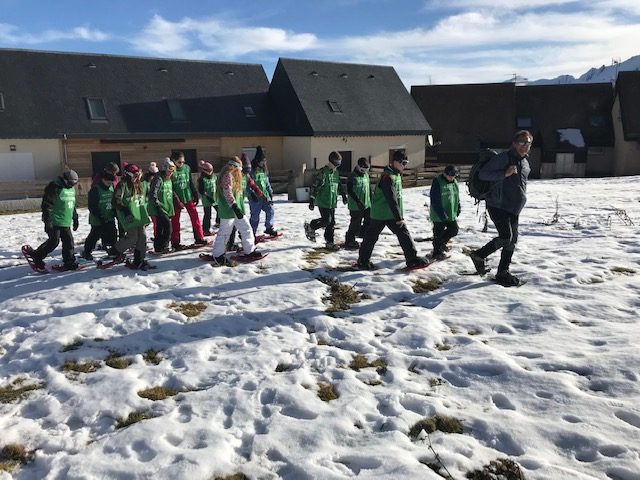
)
(507, 174)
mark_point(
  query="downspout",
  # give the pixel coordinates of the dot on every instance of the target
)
(64, 152)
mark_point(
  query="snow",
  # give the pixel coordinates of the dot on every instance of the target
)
(571, 135)
(546, 374)
(602, 74)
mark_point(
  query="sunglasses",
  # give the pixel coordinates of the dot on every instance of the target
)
(404, 162)
(523, 143)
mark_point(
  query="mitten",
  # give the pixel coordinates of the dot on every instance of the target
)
(312, 204)
(76, 224)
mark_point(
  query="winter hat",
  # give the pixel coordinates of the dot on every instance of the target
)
(235, 162)
(131, 170)
(259, 155)
(363, 163)
(335, 159)
(451, 171)
(112, 168)
(206, 167)
(167, 164)
(70, 177)
(153, 168)
(399, 156)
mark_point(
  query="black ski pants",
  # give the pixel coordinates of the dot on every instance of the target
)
(55, 235)
(327, 221)
(372, 233)
(163, 233)
(105, 232)
(507, 226)
(442, 233)
(358, 225)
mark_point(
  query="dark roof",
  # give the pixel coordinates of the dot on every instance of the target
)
(45, 96)
(582, 106)
(369, 100)
(468, 117)
(628, 90)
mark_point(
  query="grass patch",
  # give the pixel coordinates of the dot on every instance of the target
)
(322, 341)
(86, 367)
(13, 456)
(426, 286)
(373, 383)
(314, 255)
(71, 346)
(188, 309)
(235, 476)
(499, 469)
(623, 270)
(443, 347)
(117, 361)
(158, 393)
(134, 417)
(438, 422)
(436, 382)
(16, 390)
(152, 356)
(327, 392)
(341, 296)
(360, 361)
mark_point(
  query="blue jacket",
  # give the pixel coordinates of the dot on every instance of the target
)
(507, 193)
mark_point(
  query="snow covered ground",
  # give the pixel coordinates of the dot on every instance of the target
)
(547, 374)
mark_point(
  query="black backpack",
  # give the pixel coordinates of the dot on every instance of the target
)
(480, 189)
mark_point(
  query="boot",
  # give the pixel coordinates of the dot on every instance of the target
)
(271, 232)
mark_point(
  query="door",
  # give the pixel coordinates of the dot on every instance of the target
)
(345, 166)
(99, 160)
(190, 158)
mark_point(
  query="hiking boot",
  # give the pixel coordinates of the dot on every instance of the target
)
(201, 241)
(417, 262)
(332, 247)
(223, 261)
(209, 234)
(69, 266)
(479, 263)
(271, 232)
(352, 245)
(364, 265)
(506, 279)
(179, 246)
(87, 255)
(309, 232)
(254, 254)
(439, 256)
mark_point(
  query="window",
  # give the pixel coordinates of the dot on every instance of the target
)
(99, 160)
(1, 102)
(334, 106)
(524, 122)
(248, 112)
(176, 111)
(96, 108)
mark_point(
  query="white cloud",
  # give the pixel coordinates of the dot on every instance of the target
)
(11, 35)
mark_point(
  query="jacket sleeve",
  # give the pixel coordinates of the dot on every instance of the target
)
(227, 190)
(387, 191)
(118, 195)
(252, 187)
(192, 187)
(201, 186)
(94, 201)
(351, 192)
(51, 192)
(493, 170)
(154, 191)
(317, 184)
(435, 195)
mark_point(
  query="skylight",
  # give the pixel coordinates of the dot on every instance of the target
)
(96, 109)
(334, 106)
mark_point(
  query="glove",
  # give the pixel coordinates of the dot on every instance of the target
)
(344, 199)
(312, 204)
(270, 202)
(361, 206)
(76, 223)
(237, 211)
(196, 200)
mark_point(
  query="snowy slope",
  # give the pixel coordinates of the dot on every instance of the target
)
(603, 74)
(547, 374)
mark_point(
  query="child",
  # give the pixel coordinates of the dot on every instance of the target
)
(387, 211)
(231, 208)
(101, 216)
(207, 191)
(260, 175)
(445, 208)
(324, 193)
(359, 202)
(161, 199)
(130, 203)
(146, 179)
(59, 215)
(187, 198)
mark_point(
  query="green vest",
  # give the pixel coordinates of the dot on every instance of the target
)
(182, 183)
(380, 209)
(65, 204)
(137, 205)
(209, 190)
(449, 197)
(261, 179)
(105, 205)
(165, 198)
(362, 189)
(326, 188)
(224, 209)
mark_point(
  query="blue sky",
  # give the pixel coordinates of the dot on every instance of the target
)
(427, 41)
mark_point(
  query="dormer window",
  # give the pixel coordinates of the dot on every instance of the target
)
(334, 106)
(176, 111)
(96, 109)
(248, 112)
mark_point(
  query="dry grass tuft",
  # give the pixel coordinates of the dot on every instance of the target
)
(117, 361)
(360, 361)
(443, 347)
(235, 476)
(499, 469)
(13, 456)
(71, 346)
(158, 393)
(438, 422)
(341, 296)
(426, 286)
(16, 390)
(327, 392)
(152, 356)
(86, 367)
(188, 309)
(134, 417)
(623, 270)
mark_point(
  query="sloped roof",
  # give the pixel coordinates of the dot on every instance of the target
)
(468, 117)
(44, 96)
(628, 90)
(369, 100)
(583, 106)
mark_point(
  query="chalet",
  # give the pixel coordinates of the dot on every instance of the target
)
(626, 121)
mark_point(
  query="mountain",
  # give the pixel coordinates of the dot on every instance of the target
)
(605, 73)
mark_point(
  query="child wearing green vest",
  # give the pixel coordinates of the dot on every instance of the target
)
(359, 203)
(387, 211)
(186, 198)
(324, 194)
(207, 191)
(260, 175)
(444, 209)
(101, 216)
(59, 216)
(161, 199)
(130, 203)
